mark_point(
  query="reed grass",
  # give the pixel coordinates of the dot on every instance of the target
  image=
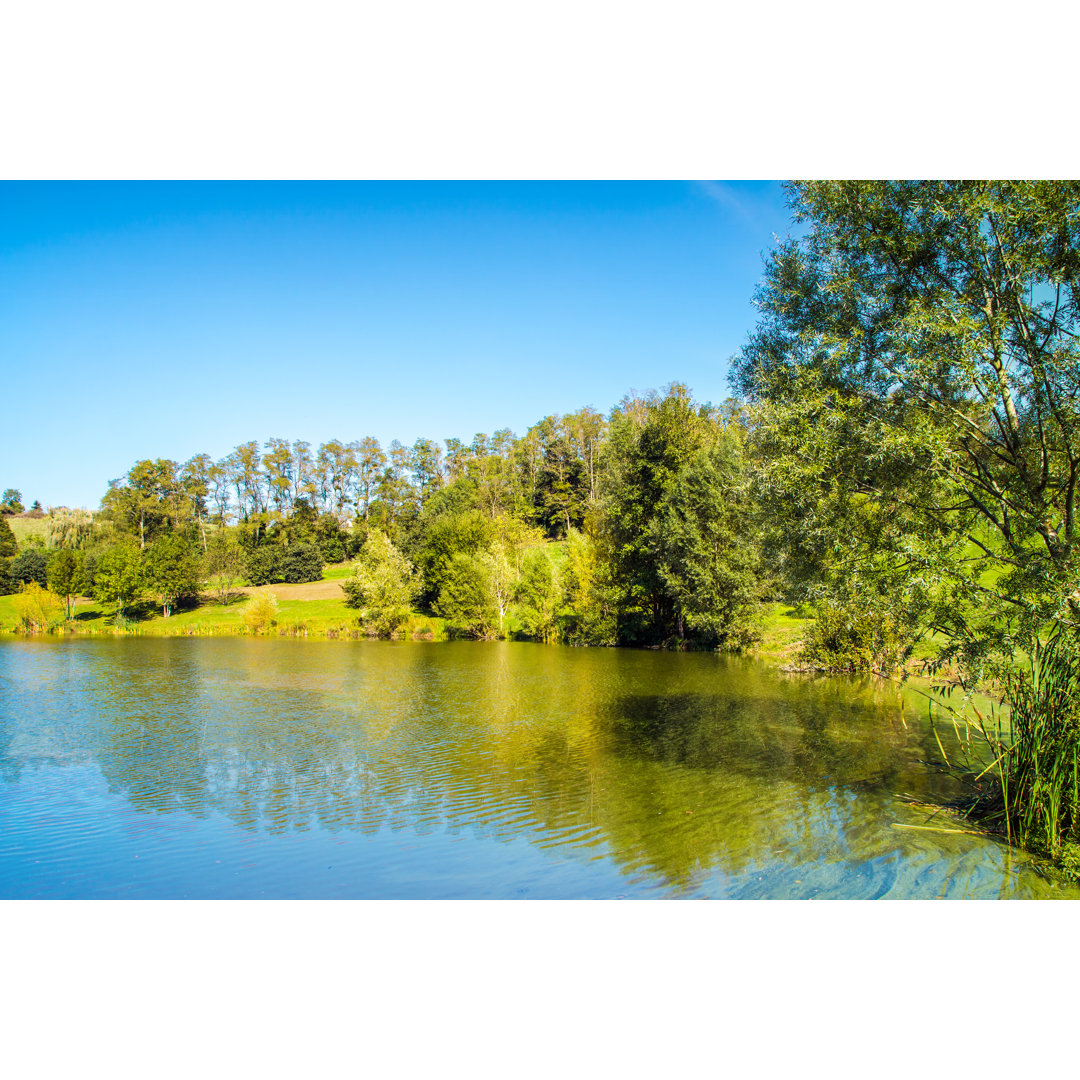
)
(1022, 762)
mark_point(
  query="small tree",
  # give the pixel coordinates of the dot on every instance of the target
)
(66, 577)
(707, 550)
(38, 609)
(465, 599)
(502, 578)
(538, 595)
(118, 578)
(8, 544)
(384, 585)
(222, 566)
(171, 571)
(69, 528)
(588, 615)
(11, 502)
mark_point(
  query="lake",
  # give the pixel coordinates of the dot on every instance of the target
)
(289, 768)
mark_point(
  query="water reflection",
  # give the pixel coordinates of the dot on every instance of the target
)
(691, 774)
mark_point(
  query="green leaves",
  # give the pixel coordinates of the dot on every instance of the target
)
(914, 383)
(383, 587)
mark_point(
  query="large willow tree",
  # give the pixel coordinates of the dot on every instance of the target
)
(915, 377)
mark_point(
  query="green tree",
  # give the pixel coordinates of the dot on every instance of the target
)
(223, 565)
(118, 576)
(264, 565)
(195, 480)
(466, 599)
(171, 571)
(587, 614)
(8, 544)
(650, 441)
(384, 585)
(11, 502)
(149, 500)
(537, 595)
(69, 528)
(445, 535)
(913, 379)
(302, 562)
(706, 549)
(426, 466)
(65, 577)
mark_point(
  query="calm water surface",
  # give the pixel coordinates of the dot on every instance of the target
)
(248, 768)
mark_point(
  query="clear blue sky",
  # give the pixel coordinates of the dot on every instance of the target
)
(164, 320)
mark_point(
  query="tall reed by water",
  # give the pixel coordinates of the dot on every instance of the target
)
(1030, 790)
(1040, 774)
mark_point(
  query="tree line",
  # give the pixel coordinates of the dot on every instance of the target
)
(631, 528)
(903, 456)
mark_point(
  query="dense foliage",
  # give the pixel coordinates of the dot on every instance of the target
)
(914, 380)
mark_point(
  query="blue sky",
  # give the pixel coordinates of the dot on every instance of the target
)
(165, 320)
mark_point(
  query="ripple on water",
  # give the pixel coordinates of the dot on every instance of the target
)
(236, 768)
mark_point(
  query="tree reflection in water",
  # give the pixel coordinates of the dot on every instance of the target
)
(682, 768)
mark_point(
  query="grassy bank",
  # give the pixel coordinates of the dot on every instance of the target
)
(318, 609)
(313, 609)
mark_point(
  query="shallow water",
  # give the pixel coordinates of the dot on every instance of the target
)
(248, 768)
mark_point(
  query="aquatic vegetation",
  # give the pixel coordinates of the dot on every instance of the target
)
(1030, 789)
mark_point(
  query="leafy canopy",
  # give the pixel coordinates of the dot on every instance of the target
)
(915, 376)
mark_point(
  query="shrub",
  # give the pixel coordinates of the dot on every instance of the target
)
(38, 609)
(261, 612)
(332, 550)
(855, 635)
(302, 562)
(264, 565)
(30, 565)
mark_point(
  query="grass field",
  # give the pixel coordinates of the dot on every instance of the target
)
(24, 527)
(315, 608)
(318, 609)
(782, 630)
